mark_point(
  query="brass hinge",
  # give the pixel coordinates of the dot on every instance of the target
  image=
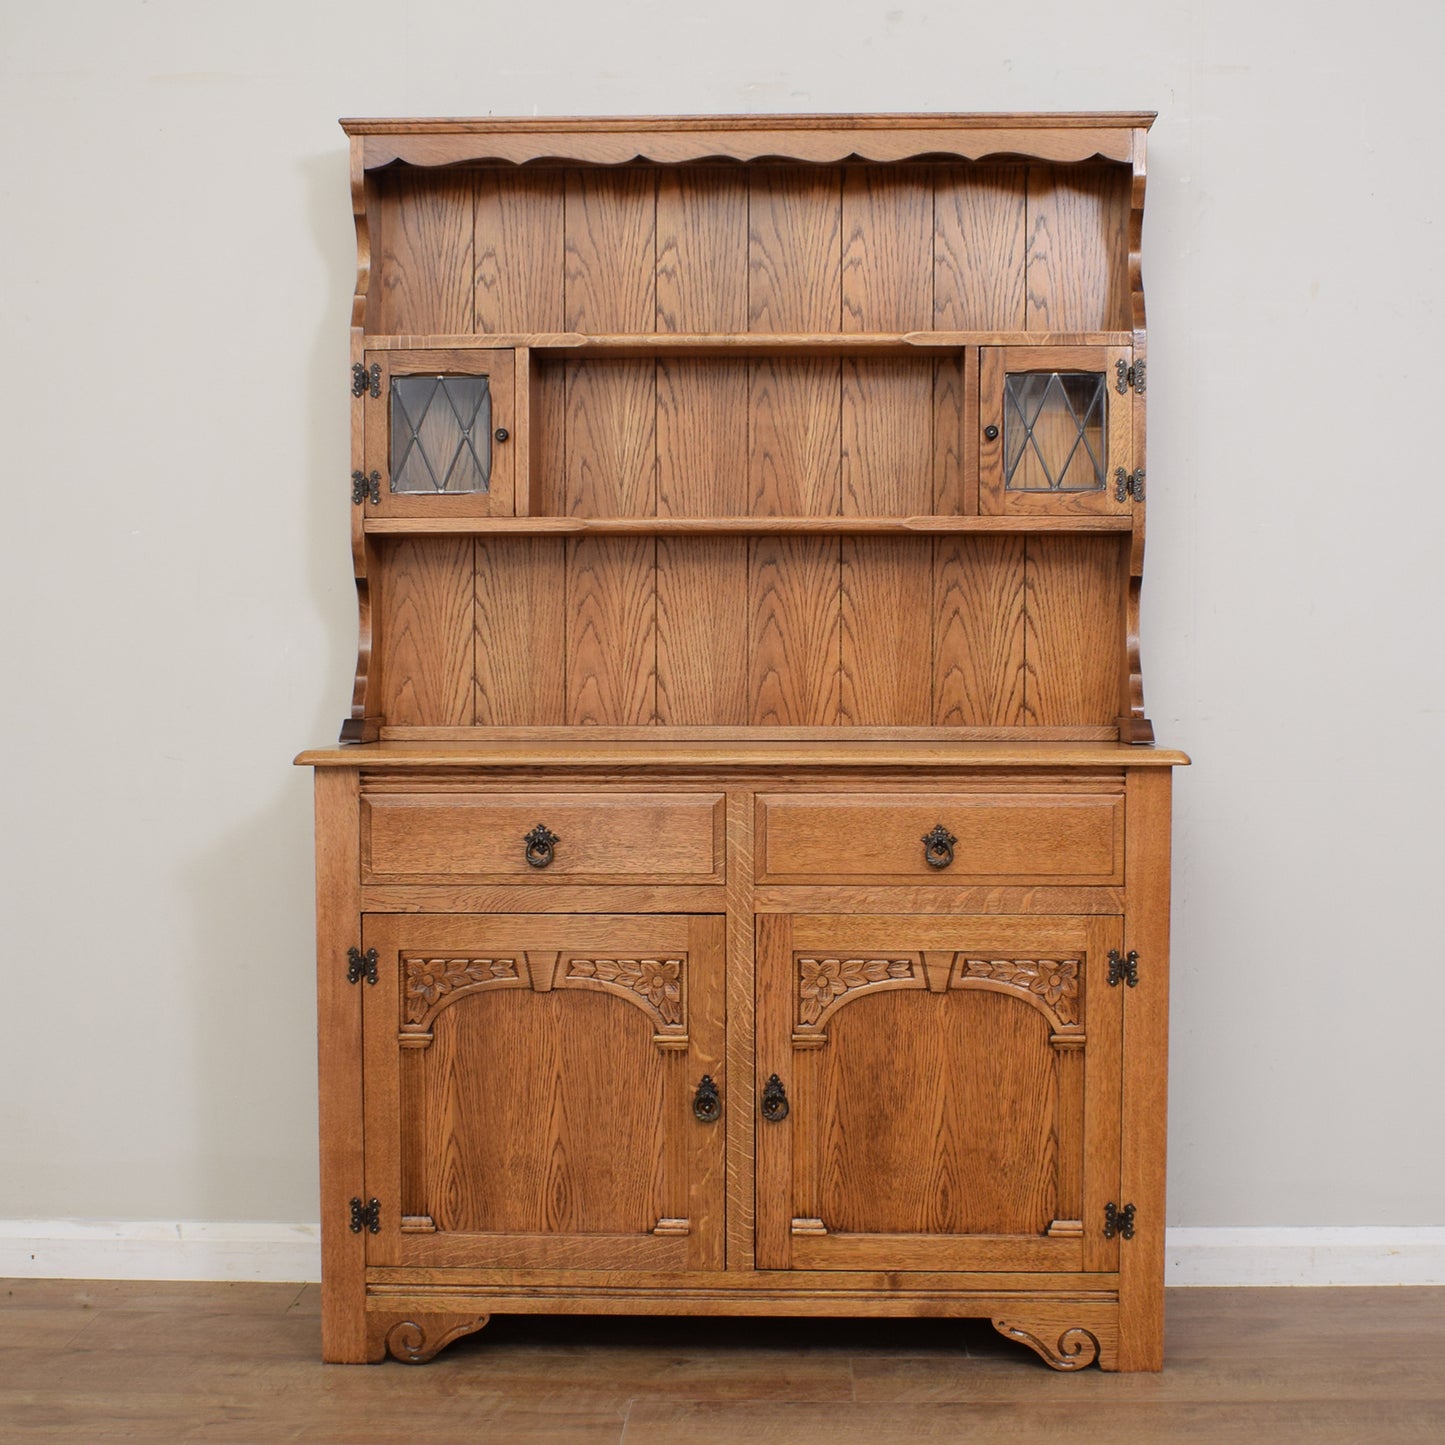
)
(1126, 376)
(363, 381)
(363, 486)
(366, 1216)
(1123, 968)
(1116, 1221)
(360, 965)
(1128, 484)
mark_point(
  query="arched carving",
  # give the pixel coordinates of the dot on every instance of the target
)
(1051, 985)
(658, 986)
(1073, 1348)
(428, 985)
(826, 984)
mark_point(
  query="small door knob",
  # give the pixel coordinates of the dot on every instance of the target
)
(991, 433)
(541, 846)
(501, 433)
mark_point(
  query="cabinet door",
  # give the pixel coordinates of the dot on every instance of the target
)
(531, 1083)
(952, 1093)
(439, 430)
(1057, 430)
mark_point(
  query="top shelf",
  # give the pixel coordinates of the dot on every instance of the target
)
(564, 344)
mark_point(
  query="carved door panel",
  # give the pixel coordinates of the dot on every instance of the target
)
(531, 1091)
(1058, 426)
(439, 433)
(952, 1092)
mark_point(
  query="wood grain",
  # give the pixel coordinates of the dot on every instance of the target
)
(1073, 629)
(519, 631)
(793, 614)
(427, 631)
(887, 437)
(978, 631)
(1078, 248)
(955, 435)
(886, 669)
(795, 437)
(702, 438)
(702, 631)
(611, 630)
(519, 251)
(611, 441)
(421, 280)
(794, 249)
(887, 281)
(979, 247)
(702, 250)
(611, 272)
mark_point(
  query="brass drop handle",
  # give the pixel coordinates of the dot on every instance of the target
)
(706, 1102)
(938, 846)
(775, 1101)
(541, 846)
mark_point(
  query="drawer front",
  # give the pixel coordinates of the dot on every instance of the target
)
(999, 838)
(600, 837)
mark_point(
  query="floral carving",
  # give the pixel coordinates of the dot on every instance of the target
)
(429, 980)
(822, 980)
(1056, 981)
(658, 980)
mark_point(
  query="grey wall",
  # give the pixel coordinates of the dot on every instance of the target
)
(176, 263)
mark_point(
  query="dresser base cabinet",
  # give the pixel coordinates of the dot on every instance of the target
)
(935, 1097)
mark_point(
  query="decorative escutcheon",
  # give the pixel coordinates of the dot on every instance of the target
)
(938, 846)
(775, 1100)
(541, 846)
(706, 1103)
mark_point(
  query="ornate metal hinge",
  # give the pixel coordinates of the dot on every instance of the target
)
(366, 1216)
(1118, 1221)
(363, 381)
(1127, 484)
(363, 487)
(360, 965)
(1126, 376)
(1123, 968)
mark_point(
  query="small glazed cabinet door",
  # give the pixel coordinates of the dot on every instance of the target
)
(952, 1093)
(439, 433)
(532, 1091)
(1056, 430)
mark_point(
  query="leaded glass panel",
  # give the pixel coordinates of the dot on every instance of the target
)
(441, 434)
(1053, 431)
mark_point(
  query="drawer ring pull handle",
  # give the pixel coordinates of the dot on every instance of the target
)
(775, 1101)
(938, 846)
(541, 846)
(706, 1103)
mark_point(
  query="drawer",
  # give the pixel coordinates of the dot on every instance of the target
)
(1075, 838)
(600, 837)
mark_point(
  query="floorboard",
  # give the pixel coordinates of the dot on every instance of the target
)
(109, 1360)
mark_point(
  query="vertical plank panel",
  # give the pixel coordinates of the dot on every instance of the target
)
(702, 437)
(426, 632)
(774, 1158)
(887, 248)
(548, 480)
(702, 249)
(611, 631)
(519, 251)
(611, 223)
(740, 1113)
(979, 245)
(422, 266)
(1078, 251)
(520, 631)
(955, 435)
(793, 614)
(978, 632)
(702, 631)
(887, 656)
(1073, 630)
(611, 443)
(887, 462)
(795, 443)
(794, 255)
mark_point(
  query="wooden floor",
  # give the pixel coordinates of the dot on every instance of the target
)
(170, 1362)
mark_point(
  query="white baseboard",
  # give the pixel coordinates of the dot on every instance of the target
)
(76, 1249)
